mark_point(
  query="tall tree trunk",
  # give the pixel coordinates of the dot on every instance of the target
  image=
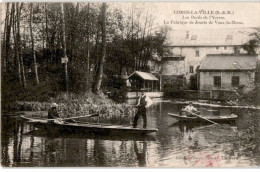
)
(97, 83)
(64, 46)
(8, 35)
(22, 64)
(33, 48)
(132, 38)
(19, 41)
(4, 38)
(16, 49)
(88, 53)
(46, 27)
(140, 65)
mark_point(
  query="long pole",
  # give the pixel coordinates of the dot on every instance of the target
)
(203, 118)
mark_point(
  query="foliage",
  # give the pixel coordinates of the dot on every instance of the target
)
(131, 41)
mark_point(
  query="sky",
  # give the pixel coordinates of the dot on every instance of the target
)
(240, 14)
(237, 14)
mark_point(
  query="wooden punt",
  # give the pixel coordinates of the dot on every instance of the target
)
(102, 129)
(217, 119)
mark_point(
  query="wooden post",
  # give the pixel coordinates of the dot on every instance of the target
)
(160, 85)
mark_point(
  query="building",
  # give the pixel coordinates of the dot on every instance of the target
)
(143, 80)
(193, 46)
(227, 72)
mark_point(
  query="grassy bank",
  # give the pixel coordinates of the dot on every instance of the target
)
(72, 105)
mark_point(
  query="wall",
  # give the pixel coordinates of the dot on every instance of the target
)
(154, 66)
(246, 78)
(172, 67)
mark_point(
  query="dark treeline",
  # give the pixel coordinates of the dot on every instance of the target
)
(101, 42)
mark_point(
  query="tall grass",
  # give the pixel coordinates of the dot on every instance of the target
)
(73, 105)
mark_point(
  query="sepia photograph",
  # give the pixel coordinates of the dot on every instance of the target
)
(130, 84)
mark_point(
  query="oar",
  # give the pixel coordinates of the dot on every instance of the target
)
(75, 117)
(202, 117)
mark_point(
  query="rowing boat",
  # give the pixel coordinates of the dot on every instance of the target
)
(102, 129)
(218, 119)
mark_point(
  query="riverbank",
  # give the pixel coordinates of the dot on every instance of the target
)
(71, 105)
(220, 104)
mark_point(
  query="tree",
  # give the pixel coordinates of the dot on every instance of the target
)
(99, 74)
(64, 46)
(19, 43)
(33, 48)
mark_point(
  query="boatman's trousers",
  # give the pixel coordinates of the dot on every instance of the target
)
(140, 112)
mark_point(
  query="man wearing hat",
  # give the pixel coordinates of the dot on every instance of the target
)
(53, 113)
(142, 104)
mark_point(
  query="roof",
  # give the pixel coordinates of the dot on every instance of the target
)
(143, 75)
(228, 62)
(208, 37)
(173, 58)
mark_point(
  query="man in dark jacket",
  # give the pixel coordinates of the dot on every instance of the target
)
(141, 110)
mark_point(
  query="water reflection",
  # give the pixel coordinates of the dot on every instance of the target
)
(175, 144)
(141, 155)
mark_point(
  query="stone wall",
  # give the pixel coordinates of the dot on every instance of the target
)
(246, 78)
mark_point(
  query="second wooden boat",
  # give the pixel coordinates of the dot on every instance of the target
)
(217, 119)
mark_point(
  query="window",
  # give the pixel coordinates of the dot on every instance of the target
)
(225, 48)
(217, 48)
(229, 37)
(217, 81)
(194, 37)
(191, 69)
(197, 53)
(235, 81)
(187, 35)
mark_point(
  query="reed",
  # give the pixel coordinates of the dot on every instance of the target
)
(71, 105)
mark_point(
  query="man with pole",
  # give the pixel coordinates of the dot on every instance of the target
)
(143, 102)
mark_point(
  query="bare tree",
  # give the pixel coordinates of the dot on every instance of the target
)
(99, 74)
(33, 48)
(8, 35)
(16, 33)
(88, 46)
(64, 46)
(19, 43)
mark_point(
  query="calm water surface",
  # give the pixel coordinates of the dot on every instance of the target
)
(174, 145)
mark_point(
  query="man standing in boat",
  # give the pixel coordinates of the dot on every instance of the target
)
(143, 102)
(53, 115)
(190, 110)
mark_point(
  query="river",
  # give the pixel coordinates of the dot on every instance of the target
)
(174, 145)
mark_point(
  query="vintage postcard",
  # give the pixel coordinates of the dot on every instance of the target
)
(130, 84)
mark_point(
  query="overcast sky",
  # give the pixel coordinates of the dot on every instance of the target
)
(244, 14)
(247, 13)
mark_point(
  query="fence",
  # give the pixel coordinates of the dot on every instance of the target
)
(204, 95)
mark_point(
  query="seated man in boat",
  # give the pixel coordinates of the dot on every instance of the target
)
(143, 102)
(53, 115)
(190, 110)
